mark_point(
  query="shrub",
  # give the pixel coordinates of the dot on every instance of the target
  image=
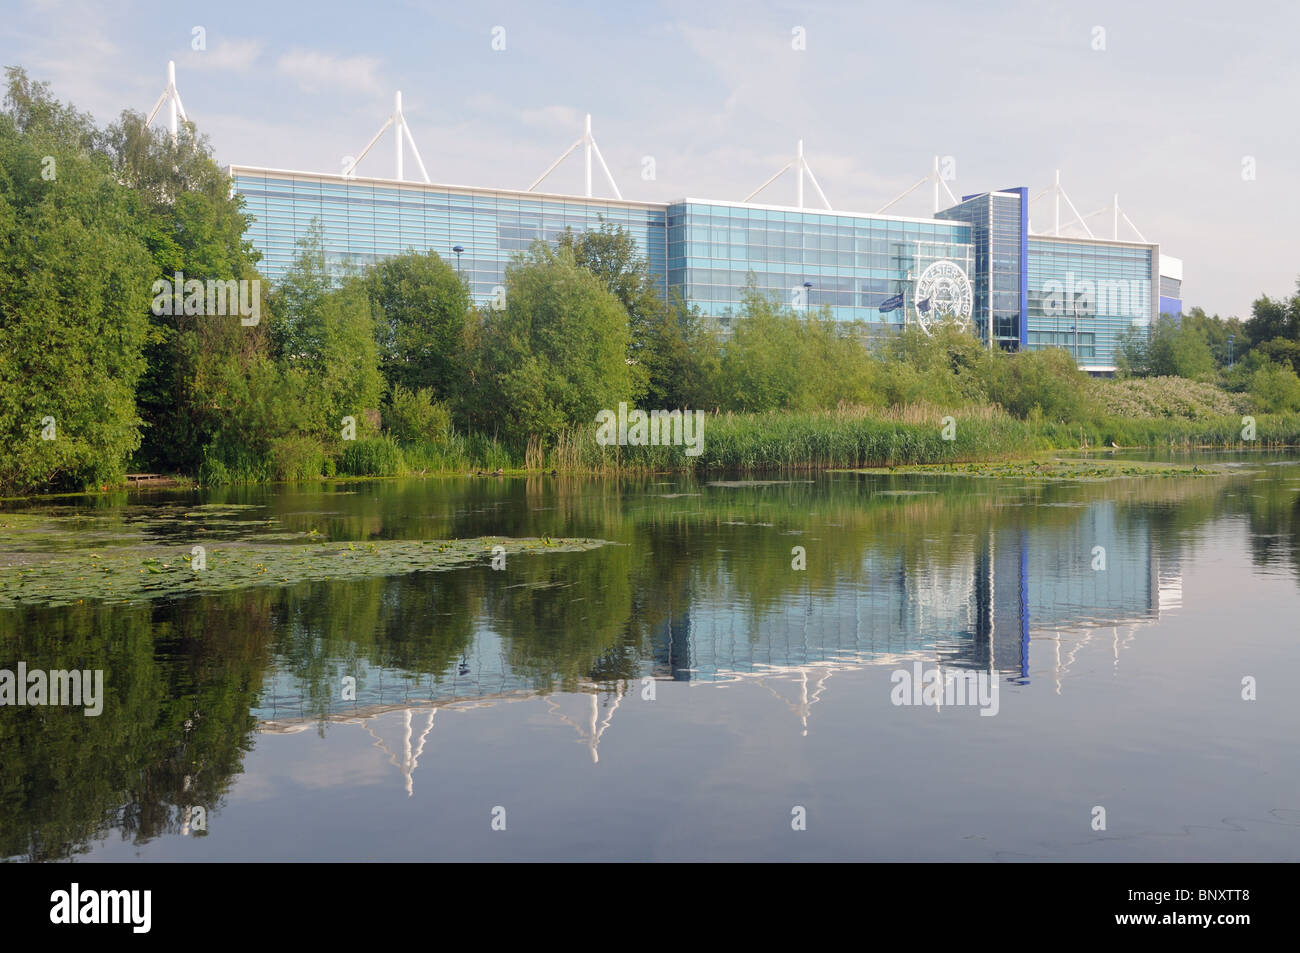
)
(414, 415)
(297, 458)
(1163, 397)
(223, 466)
(373, 456)
(1274, 388)
(1048, 380)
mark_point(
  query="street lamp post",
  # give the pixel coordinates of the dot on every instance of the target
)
(807, 295)
(458, 249)
(1231, 337)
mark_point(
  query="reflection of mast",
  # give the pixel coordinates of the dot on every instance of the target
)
(591, 734)
(410, 760)
(804, 706)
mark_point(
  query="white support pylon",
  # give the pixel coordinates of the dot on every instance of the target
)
(1117, 214)
(170, 94)
(935, 179)
(1058, 193)
(589, 142)
(801, 168)
(403, 137)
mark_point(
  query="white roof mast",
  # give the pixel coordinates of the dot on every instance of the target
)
(802, 168)
(403, 134)
(588, 140)
(170, 94)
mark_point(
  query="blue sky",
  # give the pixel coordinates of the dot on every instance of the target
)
(1164, 114)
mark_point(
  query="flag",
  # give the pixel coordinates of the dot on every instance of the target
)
(891, 304)
(923, 306)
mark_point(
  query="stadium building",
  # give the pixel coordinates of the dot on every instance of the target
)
(979, 260)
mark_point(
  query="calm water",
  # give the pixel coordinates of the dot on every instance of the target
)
(684, 693)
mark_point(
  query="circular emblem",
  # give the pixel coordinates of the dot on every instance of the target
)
(943, 293)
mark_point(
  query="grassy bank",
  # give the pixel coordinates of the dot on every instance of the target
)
(864, 437)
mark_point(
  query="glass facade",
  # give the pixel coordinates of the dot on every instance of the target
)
(1028, 292)
(363, 221)
(998, 229)
(1084, 293)
(852, 262)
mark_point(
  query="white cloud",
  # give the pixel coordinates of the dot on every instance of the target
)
(565, 116)
(315, 71)
(226, 55)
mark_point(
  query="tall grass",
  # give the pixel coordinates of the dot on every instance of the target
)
(913, 434)
(847, 437)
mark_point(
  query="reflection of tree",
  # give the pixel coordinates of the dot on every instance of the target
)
(179, 683)
(419, 623)
(1273, 510)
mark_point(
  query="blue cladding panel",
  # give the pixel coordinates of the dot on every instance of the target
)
(363, 222)
(1083, 295)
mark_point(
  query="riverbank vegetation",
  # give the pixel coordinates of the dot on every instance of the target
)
(393, 369)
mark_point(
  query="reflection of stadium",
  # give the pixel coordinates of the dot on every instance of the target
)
(1000, 589)
(979, 611)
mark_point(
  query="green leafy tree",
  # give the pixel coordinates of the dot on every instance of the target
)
(611, 254)
(194, 226)
(681, 356)
(1272, 318)
(323, 337)
(420, 307)
(1170, 348)
(1275, 388)
(763, 361)
(1047, 380)
(555, 355)
(1281, 351)
(74, 292)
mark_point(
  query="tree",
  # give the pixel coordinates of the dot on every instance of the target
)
(1275, 388)
(555, 355)
(1047, 379)
(1170, 348)
(761, 363)
(194, 226)
(681, 357)
(420, 307)
(1216, 332)
(324, 336)
(611, 254)
(74, 291)
(1272, 318)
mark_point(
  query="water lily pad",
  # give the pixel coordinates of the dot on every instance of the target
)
(132, 575)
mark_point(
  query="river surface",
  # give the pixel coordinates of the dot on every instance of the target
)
(726, 678)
